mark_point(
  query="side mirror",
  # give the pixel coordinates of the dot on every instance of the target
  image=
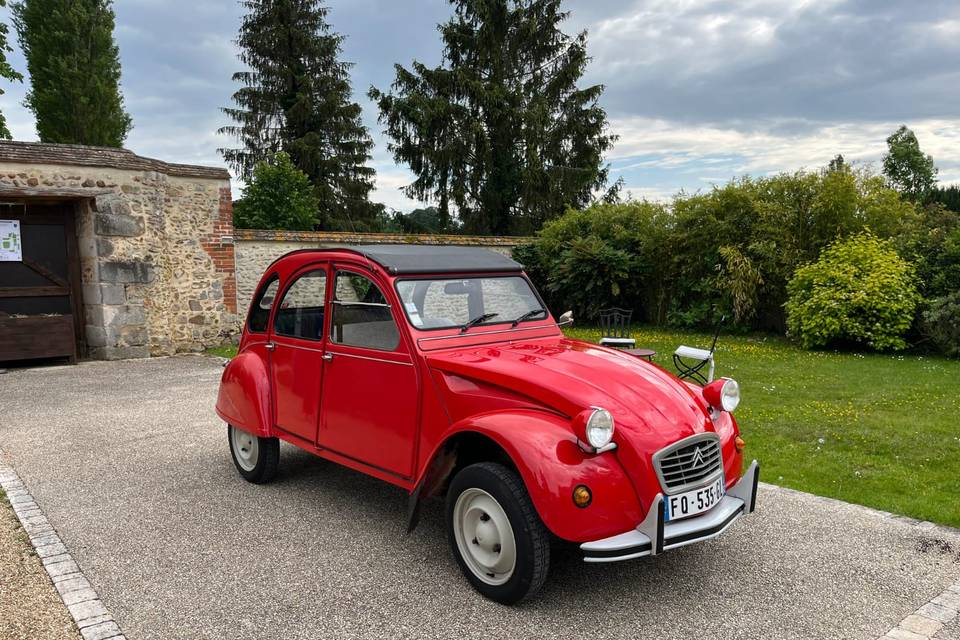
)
(565, 319)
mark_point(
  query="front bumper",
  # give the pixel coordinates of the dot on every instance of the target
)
(654, 536)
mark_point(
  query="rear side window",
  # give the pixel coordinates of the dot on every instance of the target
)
(300, 313)
(262, 303)
(361, 315)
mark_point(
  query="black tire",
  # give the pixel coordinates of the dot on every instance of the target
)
(531, 537)
(267, 459)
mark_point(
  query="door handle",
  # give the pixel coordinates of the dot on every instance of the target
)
(327, 356)
(270, 346)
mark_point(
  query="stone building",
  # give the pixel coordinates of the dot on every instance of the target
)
(131, 255)
(105, 254)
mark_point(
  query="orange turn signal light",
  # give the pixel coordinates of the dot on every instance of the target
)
(582, 496)
(739, 444)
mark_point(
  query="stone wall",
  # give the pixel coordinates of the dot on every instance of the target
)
(256, 249)
(155, 243)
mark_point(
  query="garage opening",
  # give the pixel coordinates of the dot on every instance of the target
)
(41, 310)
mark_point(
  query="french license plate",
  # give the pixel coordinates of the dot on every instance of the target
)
(691, 503)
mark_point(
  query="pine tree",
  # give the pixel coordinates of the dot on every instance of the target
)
(7, 72)
(500, 130)
(296, 98)
(74, 67)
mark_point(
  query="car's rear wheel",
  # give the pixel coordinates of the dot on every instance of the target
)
(255, 458)
(496, 535)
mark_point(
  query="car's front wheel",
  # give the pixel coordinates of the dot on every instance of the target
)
(497, 537)
(255, 458)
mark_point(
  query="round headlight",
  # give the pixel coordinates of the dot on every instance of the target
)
(722, 394)
(730, 395)
(599, 428)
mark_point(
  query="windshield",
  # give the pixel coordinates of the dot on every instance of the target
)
(445, 303)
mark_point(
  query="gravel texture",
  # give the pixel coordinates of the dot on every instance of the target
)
(30, 608)
(131, 466)
(950, 631)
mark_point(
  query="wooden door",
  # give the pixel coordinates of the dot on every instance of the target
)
(40, 307)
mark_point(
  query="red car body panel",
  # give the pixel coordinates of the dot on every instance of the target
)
(388, 414)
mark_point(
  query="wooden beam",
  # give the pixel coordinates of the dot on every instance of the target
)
(46, 273)
(33, 292)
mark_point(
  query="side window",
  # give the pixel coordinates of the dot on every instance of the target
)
(260, 309)
(361, 315)
(300, 313)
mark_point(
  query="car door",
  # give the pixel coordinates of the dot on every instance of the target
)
(371, 392)
(297, 342)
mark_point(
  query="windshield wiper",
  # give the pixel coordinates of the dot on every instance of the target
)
(477, 320)
(527, 316)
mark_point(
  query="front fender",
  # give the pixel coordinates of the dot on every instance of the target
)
(244, 396)
(544, 450)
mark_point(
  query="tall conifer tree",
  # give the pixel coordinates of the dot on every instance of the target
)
(74, 67)
(296, 97)
(500, 131)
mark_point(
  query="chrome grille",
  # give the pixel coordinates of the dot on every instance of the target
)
(688, 463)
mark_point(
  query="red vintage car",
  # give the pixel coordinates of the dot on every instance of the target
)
(440, 370)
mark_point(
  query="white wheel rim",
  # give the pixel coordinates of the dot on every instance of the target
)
(484, 536)
(246, 448)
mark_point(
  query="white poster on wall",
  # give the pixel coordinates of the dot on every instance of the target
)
(11, 249)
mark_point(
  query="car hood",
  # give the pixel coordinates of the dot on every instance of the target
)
(652, 408)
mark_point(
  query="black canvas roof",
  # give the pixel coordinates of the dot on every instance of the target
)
(420, 258)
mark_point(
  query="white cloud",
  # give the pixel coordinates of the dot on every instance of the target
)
(653, 194)
(389, 181)
(699, 90)
(770, 146)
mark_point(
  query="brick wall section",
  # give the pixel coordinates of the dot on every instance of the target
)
(256, 249)
(219, 246)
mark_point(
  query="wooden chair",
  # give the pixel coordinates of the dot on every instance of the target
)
(615, 328)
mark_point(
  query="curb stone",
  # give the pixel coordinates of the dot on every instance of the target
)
(92, 617)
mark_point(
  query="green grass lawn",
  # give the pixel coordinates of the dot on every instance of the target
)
(878, 430)
(226, 351)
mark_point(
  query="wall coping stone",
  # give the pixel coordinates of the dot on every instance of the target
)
(85, 156)
(349, 237)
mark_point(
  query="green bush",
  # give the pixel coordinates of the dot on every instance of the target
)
(591, 275)
(860, 291)
(279, 196)
(603, 256)
(731, 250)
(941, 324)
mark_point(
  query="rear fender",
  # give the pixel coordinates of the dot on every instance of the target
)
(544, 451)
(244, 396)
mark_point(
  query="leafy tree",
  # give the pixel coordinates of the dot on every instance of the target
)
(428, 220)
(932, 243)
(279, 196)
(500, 131)
(838, 164)
(910, 170)
(948, 197)
(859, 291)
(74, 66)
(732, 250)
(603, 256)
(296, 98)
(941, 323)
(7, 72)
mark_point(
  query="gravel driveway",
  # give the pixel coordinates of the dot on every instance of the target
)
(131, 466)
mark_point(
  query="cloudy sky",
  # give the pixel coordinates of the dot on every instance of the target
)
(699, 91)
